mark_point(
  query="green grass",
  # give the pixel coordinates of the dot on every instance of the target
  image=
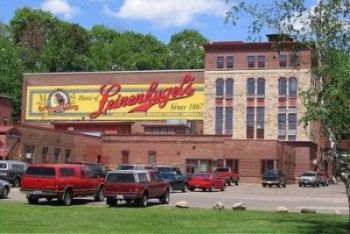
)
(44, 218)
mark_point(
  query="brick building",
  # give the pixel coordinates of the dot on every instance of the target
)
(241, 111)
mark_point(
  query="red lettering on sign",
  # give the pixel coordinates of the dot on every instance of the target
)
(112, 99)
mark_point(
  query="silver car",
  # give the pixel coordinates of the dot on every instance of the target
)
(309, 178)
(4, 189)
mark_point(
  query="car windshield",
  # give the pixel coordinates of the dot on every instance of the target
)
(309, 174)
(125, 167)
(3, 166)
(167, 176)
(121, 178)
(270, 173)
(165, 169)
(41, 171)
(222, 169)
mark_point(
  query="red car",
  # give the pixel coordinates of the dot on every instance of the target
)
(206, 181)
(135, 186)
(228, 175)
(61, 181)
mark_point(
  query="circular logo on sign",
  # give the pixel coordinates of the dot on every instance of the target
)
(58, 100)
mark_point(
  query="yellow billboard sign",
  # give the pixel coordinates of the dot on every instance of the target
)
(117, 101)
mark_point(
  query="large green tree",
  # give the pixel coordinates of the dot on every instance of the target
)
(323, 26)
(11, 73)
(186, 50)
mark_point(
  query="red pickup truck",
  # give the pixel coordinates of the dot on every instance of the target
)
(61, 181)
(228, 175)
(135, 186)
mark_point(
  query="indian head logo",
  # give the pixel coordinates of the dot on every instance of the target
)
(57, 102)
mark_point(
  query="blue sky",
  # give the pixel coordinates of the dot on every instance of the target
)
(161, 18)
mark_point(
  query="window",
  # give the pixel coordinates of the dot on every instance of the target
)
(228, 120)
(261, 61)
(99, 157)
(152, 157)
(220, 62)
(219, 87)
(40, 171)
(66, 172)
(233, 164)
(123, 178)
(57, 155)
(282, 86)
(44, 158)
(229, 62)
(251, 61)
(229, 88)
(251, 87)
(281, 123)
(261, 87)
(67, 156)
(125, 157)
(143, 178)
(260, 116)
(29, 153)
(250, 122)
(283, 60)
(219, 118)
(292, 122)
(293, 60)
(293, 87)
(268, 165)
(191, 166)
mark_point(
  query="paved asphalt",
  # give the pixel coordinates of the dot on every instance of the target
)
(322, 199)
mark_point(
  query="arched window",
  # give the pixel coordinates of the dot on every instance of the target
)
(293, 87)
(251, 87)
(282, 86)
(220, 87)
(229, 88)
(261, 87)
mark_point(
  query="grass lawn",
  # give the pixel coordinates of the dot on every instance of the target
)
(18, 217)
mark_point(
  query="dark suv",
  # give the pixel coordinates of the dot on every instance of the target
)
(274, 177)
(12, 171)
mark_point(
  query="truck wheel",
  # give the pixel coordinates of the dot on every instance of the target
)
(264, 185)
(111, 202)
(5, 193)
(68, 198)
(166, 198)
(33, 200)
(143, 201)
(191, 189)
(100, 195)
(236, 183)
(17, 182)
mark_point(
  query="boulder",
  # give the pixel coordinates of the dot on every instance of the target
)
(337, 212)
(308, 211)
(239, 206)
(182, 204)
(218, 206)
(281, 209)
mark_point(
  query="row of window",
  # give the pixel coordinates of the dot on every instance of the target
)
(256, 87)
(152, 157)
(256, 61)
(29, 154)
(258, 123)
(205, 165)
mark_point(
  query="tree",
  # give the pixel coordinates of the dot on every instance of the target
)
(325, 29)
(31, 30)
(11, 73)
(186, 51)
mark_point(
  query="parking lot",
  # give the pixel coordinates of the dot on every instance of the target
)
(322, 199)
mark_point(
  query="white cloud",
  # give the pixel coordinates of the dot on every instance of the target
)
(60, 7)
(168, 13)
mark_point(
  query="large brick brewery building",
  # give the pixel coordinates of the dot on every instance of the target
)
(242, 111)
